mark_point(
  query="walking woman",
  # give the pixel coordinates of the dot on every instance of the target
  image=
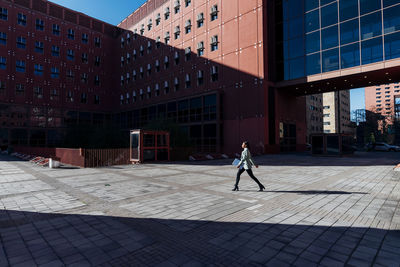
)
(247, 162)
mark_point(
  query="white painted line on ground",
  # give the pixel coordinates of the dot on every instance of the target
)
(255, 207)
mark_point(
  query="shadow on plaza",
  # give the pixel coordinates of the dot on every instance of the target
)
(31, 239)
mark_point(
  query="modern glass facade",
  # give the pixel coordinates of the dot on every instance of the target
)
(327, 35)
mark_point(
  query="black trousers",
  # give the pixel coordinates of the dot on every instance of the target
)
(250, 173)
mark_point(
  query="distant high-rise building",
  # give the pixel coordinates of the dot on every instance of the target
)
(314, 115)
(382, 99)
(336, 112)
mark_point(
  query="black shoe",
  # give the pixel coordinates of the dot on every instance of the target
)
(236, 188)
(261, 188)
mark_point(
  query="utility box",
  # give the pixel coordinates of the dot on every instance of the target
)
(332, 144)
(148, 145)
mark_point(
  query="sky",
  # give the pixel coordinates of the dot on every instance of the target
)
(114, 11)
(111, 11)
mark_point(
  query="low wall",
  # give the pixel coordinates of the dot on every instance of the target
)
(71, 156)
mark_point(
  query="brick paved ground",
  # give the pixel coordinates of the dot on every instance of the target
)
(315, 211)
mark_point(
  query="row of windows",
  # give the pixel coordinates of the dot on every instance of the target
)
(188, 81)
(40, 25)
(188, 23)
(147, 94)
(365, 52)
(54, 94)
(20, 66)
(188, 51)
(189, 110)
(352, 31)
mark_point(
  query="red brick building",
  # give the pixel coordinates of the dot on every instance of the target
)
(207, 66)
(55, 72)
(204, 65)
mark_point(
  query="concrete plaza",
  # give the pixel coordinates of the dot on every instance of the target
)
(315, 211)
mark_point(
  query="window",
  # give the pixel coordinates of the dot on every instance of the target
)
(128, 78)
(122, 42)
(148, 92)
(142, 29)
(330, 37)
(38, 70)
(39, 25)
(327, 123)
(176, 57)
(371, 50)
(97, 61)
(83, 98)
(97, 42)
(55, 51)
(371, 25)
(166, 87)
(166, 62)
(188, 82)
(85, 38)
(367, 6)
(200, 20)
(19, 89)
(312, 21)
(188, 53)
(3, 38)
(378, 93)
(56, 29)
(134, 75)
(214, 43)
(391, 19)
(84, 78)
(21, 19)
(96, 99)
(188, 3)
(85, 58)
(141, 51)
(167, 37)
(3, 13)
(55, 73)
(158, 42)
(348, 9)
(350, 55)
(157, 89)
(200, 48)
(349, 32)
(327, 107)
(149, 24)
(97, 80)
(177, 6)
(188, 26)
(166, 13)
(177, 32)
(3, 63)
(392, 45)
(2, 87)
(20, 66)
(214, 12)
(21, 42)
(329, 15)
(39, 47)
(148, 69)
(214, 73)
(70, 74)
(330, 60)
(200, 79)
(70, 96)
(157, 65)
(38, 92)
(70, 54)
(141, 72)
(71, 34)
(148, 47)
(176, 84)
(122, 80)
(158, 19)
